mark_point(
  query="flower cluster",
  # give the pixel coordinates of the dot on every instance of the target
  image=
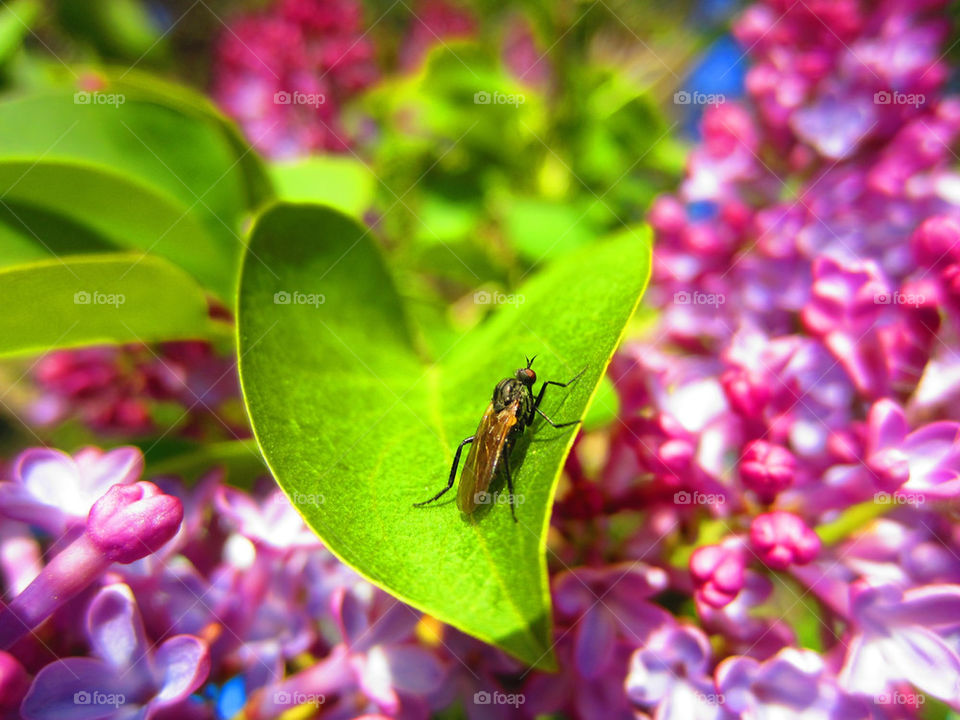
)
(120, 390)
(792, 415)
(284, 74)
(765, 532)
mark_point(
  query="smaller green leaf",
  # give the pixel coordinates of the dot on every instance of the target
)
(89, 300)
(15, 21)
(340, 182)
(84, 194)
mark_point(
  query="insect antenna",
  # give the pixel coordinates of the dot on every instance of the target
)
(530, 360)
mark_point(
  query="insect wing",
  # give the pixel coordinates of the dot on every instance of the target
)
(484, 456)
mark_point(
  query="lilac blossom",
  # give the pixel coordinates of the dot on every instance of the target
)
(903, 636)
(670, 674)
(126, 677)
(126, 524)
(55, 491)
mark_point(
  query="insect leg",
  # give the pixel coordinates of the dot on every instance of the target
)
(453, 473)
(543, 388)
(506, 471)
(556, 425)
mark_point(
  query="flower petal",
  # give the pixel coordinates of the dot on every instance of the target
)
(115, 627)
(183, 663)
(75, 689)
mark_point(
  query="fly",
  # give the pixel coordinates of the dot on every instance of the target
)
(511, 410)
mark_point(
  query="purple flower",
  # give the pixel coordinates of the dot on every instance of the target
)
(55, 492)
(285, 73)
(668, 674)
(793, 683)
(901, 636)
(718, 573)
(844, 309)
(936, 242)
(272, 522)
(126, 524)
(606, 603)
(767, 469)
(127, 677)
(924, 462)
(782, 539)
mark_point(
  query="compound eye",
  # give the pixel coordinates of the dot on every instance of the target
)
(527, 376)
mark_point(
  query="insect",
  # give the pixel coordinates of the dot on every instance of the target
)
(512, 409)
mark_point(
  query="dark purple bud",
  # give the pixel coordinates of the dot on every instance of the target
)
(133, 521)
(717, 572)
(890, 468)
(782, 539)
(747, 392)
(767, 469)
(935, 242)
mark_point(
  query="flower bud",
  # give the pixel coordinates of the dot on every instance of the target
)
(132, 521)
(781, 539)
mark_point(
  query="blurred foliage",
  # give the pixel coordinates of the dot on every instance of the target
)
(464, 196)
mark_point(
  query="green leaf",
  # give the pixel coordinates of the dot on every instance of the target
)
(185, 156)
(86, 195)
(542, 229)
(89, 300)
(15, 21)
(341, 182)
(345, 407)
